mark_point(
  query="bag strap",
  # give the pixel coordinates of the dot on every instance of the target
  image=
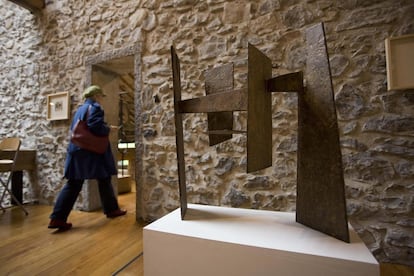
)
(86, 114)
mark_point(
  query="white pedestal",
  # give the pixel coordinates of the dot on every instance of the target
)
(227, 241)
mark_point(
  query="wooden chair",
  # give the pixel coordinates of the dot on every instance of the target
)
(7, 166)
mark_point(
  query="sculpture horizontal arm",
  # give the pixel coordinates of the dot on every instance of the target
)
(235, 100)
(292, 82)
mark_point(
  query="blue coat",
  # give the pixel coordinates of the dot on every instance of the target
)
(84, 164)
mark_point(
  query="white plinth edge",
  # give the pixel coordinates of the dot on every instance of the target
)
(228, 241)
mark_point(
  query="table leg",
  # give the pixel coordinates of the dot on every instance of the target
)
(17, 186)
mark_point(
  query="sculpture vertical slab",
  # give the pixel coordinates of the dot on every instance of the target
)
(219, 79)
(179, 132)
(320, 185)
(259, 111)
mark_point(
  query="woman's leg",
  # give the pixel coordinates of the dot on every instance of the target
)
(107, 195)
(66, 199)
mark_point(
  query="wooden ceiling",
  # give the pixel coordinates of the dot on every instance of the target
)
(34, 6)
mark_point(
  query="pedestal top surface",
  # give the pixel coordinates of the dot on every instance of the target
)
(259, 228)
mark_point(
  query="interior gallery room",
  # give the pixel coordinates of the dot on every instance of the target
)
(217, 137)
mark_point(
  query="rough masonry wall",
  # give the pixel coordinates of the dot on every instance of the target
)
(46, 53)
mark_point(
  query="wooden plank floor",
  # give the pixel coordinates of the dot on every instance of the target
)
(95, 246)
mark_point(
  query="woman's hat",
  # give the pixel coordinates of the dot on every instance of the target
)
(92, 91)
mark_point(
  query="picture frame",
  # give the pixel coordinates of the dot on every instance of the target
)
(399, 53)
(58, 106)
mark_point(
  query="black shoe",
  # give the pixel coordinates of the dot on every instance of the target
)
(60, 224)
(116, 213)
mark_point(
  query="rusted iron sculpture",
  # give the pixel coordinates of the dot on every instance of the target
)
(320, 185)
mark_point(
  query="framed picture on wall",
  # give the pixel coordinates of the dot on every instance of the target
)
(399, 52)
(58, 106)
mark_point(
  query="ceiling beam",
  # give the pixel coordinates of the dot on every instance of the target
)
(34, 6)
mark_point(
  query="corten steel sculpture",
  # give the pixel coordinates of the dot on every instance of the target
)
(320, 185)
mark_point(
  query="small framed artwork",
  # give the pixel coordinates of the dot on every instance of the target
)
(58, 106)
(399, 52)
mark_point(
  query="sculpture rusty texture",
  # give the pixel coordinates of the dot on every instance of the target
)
(320, 185)
(320, 191)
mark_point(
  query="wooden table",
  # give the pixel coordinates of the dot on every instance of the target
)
(26, 161)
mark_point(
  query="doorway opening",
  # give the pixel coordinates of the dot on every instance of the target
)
(120, 111)
(117, 72)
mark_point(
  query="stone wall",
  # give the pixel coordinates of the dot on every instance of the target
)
(46, 53)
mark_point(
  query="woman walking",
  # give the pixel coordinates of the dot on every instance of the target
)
(83, 164)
